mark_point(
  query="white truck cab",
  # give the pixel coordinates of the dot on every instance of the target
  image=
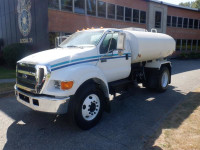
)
(78, 76)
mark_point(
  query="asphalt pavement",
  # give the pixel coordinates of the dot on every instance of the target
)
(135, 115)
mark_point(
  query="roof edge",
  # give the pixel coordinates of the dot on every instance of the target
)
(173, 5)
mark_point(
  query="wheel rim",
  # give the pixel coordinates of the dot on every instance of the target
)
(164, 79)
(90, 107)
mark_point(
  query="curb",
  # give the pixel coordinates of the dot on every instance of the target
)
(8, 93)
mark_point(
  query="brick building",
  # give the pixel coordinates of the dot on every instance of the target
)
(63, 17)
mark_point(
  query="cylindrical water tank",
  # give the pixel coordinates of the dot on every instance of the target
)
(147, 46)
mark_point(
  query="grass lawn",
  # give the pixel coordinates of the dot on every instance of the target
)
(181, 129)
(4, 87)
(6, 73)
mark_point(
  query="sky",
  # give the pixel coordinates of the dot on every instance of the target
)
(176, 1)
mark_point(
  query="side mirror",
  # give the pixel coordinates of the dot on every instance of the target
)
(121, 41)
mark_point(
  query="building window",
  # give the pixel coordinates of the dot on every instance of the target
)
(196, 23)
(169, 21)
(111, 11)
(174, 21)
(142, 17)
(101, 9)
(79, 6)
(91, 7)
(180, 22)
(185, 23)
(120, 13)
(53, 4)
(128, 14)
(191, 23)
(178, 45)
(184, 45)
(189, 45)
(194, 45)
(66, 5)
(198, 47)
(158, 19)
(135, 15)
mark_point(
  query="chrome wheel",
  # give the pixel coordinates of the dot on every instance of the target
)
(90, 107)
(164, 80)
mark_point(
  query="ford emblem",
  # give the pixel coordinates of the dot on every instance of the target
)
(24, 76)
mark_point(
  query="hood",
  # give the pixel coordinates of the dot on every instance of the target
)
(57, 55)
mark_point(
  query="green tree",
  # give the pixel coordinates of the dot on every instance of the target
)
(194, 4)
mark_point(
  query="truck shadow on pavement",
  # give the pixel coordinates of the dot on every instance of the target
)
(135, 115)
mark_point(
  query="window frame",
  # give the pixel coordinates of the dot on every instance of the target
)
(169, 24)
(64, 9)
(191, 26)
(145, 20)
(138, 19)
(196, 26)
(99, 9)
(103, 40)
(108, 11)
(84, 9)
(158, 24)
(180, 25)
(117, 13)
(95, 10)
(176, 21)
(130, 9)
(180, 40)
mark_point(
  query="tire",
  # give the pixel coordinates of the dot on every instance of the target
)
(155, 79)
(163, 79)
(88, 106)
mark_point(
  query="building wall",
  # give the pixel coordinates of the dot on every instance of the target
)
(153, 7)
(38, 23)
(182, 33)
(69, 22)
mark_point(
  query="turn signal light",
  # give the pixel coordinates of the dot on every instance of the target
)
(66, 85)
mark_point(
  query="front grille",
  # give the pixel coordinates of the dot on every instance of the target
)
(30, 77)
(26, 78)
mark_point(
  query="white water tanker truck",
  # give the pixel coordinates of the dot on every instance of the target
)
(78, 76)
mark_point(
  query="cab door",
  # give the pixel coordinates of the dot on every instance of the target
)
(113, 65)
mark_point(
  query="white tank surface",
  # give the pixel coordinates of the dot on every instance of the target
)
(147, 46)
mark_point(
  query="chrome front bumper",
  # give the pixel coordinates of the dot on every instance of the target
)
(43, 103)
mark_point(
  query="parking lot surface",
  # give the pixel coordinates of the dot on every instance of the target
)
(134, 117)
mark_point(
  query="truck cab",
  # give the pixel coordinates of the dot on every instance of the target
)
(78, 76)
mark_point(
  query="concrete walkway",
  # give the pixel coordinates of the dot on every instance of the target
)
(7, 80)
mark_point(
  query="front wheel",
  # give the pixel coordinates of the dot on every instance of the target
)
(88, 107)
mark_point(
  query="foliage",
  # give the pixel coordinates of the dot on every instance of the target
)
(192, 55)
(14, 52)
(194, 4)
(1, 53)
(7, 73)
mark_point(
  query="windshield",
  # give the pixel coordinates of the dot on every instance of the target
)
(81, 39)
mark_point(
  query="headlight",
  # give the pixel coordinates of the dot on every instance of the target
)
(63, 85)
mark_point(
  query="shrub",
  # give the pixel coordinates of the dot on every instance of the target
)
(192, 55)
(14, 52)
(1, 52)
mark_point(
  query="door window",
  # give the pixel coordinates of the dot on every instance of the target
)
(109, 43)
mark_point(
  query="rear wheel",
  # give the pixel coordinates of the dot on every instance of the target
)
(158, 79)
(88, 106)
(163, 79)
